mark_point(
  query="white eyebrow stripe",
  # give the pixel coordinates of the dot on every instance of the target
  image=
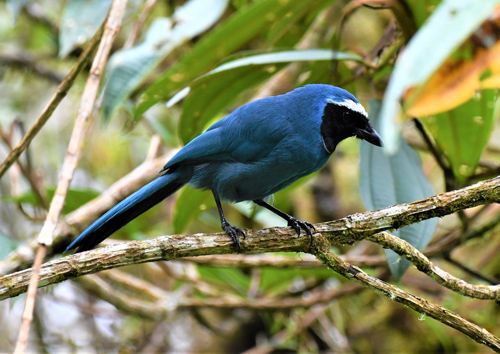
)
(356, 107)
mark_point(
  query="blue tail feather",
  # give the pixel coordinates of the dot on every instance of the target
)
(127, 210)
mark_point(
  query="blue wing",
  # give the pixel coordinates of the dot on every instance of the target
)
(247, 134)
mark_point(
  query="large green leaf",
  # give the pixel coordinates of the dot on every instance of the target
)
(450, 24)
(247, 23)
(129, 67)
(218, 89)
(394, 179)
(284, 57)
(462, 133)
(80, 21)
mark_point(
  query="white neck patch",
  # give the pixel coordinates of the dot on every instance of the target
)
(356, 107)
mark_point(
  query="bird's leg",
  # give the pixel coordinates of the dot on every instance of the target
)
(292, 222)
(229, 229)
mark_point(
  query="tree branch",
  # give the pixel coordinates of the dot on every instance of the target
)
(423, 264)
(321, 249)
(347, 230)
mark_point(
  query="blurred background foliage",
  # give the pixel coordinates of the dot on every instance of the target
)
(176, 67)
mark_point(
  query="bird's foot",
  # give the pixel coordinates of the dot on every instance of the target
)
(233, 231)
(297, 225)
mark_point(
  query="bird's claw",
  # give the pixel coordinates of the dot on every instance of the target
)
(297, 225)
(233, 231)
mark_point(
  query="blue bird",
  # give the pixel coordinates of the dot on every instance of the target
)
(257, 150)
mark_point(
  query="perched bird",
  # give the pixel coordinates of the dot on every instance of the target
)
(255, 151)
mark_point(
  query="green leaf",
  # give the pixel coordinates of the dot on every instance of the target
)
(285, 23)
(421, 9)
(285, 57)
(277, 280)
(189, 205)
(75, 198)
(218, 89)
(128, 68)
(230, 277)
(168, 136)
(394, 179)
(453, 21)
(247, 23)
(80, 21)
(463, 133)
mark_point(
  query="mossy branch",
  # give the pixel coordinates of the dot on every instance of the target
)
(347, 230)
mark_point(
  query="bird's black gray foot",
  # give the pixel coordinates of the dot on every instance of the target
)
(233, 232)
(294, 223)
(297, 225)
(230, 230)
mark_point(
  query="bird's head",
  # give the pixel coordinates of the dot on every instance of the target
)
(344, 117)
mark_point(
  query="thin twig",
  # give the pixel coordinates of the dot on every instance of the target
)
(27, 316)
(139, 24)
(474, 273)
(133, 283)
(456, 237)
(430, 145)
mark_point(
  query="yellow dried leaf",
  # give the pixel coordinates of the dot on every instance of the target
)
(456, 81)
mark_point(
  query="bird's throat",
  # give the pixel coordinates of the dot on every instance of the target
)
(336, 125)
(331, 133)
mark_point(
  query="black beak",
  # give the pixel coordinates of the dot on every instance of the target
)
(370, 135)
